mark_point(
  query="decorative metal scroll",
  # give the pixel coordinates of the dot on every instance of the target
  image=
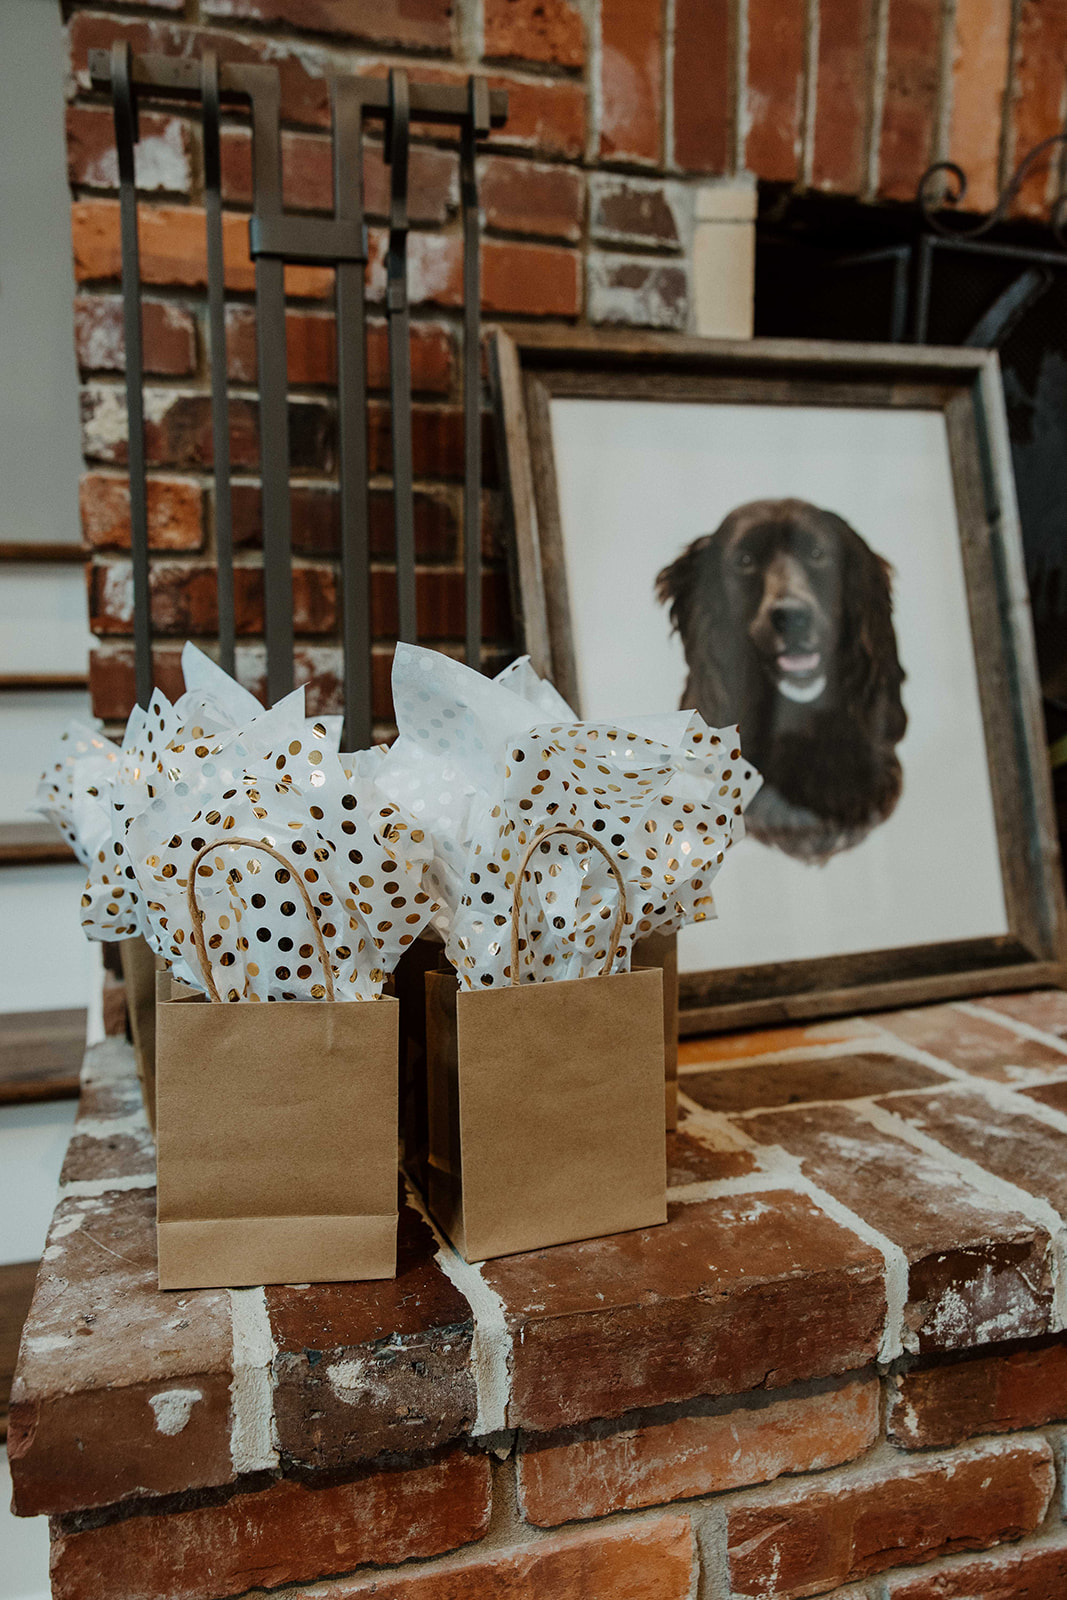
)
(935, 193)
(278, 238)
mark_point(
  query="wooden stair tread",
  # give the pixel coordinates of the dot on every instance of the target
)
(41, 1055)
(22, 842)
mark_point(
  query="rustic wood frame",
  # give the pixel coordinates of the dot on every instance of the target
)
(532, 365)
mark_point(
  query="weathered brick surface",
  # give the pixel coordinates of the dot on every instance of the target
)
(184, 600)
(550, 31)
(162, 156)
(311, 347)
(548, 117)
(980, 72)
(648, 1560)
(773, 1041)
(703, 95)
(168, 336)
(633, 211)
(908, 118)
(316, 520)
(775, 88)
(307, 176)
(591, 1474)
(635, 291)
(107, 1371)
(976, 1271)
(288, 1533)
(302, 69)
(1036, 1572)
(808, 1538)
(945, 1404)
(735, 1293)
(537, 279)
(178, 429)
(782, 1083)
(973, 1043)
(841, 106)
(631, 79)
(528, 197)
(1021, 1149)
(341, 1346)
(1042, 1008)
(1037, 109)
(175, 513)
(174, 249)
(416, 24)
(694, 1158)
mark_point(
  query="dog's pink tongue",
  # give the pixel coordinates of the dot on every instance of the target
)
(805, 663)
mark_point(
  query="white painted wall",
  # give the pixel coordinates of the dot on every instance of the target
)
(39, 440)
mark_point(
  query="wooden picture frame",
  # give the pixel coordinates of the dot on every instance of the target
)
(531, 366)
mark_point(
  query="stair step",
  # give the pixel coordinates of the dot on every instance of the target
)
(41, 1055)
(24, 842)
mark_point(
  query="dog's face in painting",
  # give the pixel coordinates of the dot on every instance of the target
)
(785, 614)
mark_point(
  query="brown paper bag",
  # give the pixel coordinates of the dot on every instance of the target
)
(661, 950)
(139, 969)
(276, 1133)
(546, 1102)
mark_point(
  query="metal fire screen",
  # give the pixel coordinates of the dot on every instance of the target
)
(278, 238)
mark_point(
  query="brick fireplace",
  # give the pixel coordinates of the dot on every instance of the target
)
(840, 1369)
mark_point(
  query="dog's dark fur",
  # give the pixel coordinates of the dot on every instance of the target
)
(780, 585)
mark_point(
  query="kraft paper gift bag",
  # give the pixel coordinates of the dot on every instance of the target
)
(140, 970)
(546, 1101)
(276, 1131)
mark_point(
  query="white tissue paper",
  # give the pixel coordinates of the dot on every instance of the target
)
(94, 787)
(483, 771)
(360, 859)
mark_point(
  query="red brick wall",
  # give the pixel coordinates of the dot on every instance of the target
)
(618, 109)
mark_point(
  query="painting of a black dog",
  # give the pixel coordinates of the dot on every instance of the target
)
(786, 617)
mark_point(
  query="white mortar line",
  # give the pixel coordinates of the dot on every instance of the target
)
(91, 1188)
(739, 90)
(1005, 1193)
(687, 1194)
(878, 53)
(135, 1125)
(1025, 1030)
(925, 1058)
(491, 1344)
(669, 23)
(869, 1042)
(809, 101)
(253, 1443)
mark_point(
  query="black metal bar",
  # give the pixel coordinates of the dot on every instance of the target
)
(220, 409)
(898, 312)
(475, 127)
(922, 264)
(1010, 306)
(398, 138)
(1007, 252)
(126, 135)
(352, 421)
(273, 396)
(430, 102)
(307, 238)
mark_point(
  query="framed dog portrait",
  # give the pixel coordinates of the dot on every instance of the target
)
(819, 543)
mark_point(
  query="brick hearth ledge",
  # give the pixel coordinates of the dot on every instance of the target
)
(860, 1293)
